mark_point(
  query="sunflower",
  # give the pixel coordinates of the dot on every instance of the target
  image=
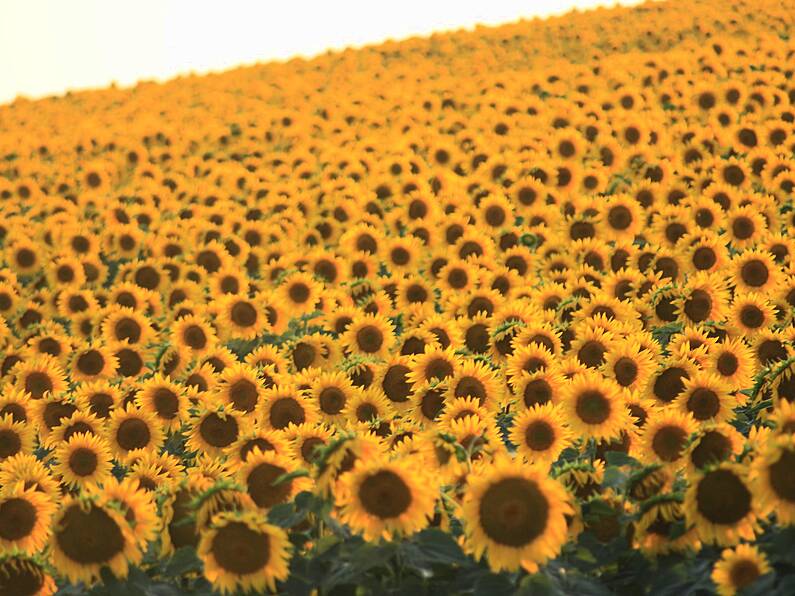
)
(313, 351)
(514, 514)
(83, 459)
(331, 390)
(240, 317)
(40, 375)
(629, 364)
(655, 532)
(214, 428)
(25, 576)
(131, 431)
(733, 360)
(125, 325)
(98, 398)
(259, 475)
(298, 293)
(68, 426)
(528, 359)
(704, 299)
(340, 457)
(306, 440)
(369, 335)
(668, 382)
(721, 505)
(713, 444)
(92, 362)
(755, 271)
(745, 226)
(665, 437)
(165, 399)
(285, 405)
(751, 313)
(241, 551)
(193, 334)
(433, 365)
(367, 406)
(137, 504)
(476, 380)
(595, 406)
(15, 437)
(27, 469)
(707, 397)
(382, 498)
(25, 518)
(428, 403)
(739, 568)
(591, 346)
(15, 403)
(540, 434)
(88, 536)
(772, 478)
(622, 218)
(267, 356)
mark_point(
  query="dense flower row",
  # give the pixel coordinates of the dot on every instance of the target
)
(466, 282)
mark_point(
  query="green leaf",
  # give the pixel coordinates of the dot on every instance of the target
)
(490, 584)
(618, 458)
(185, 560)
(439, 547)
(286, 515)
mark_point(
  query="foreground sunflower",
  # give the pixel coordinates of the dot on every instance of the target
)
(383, 498)
(594, 406)
(514, 514)
(738, 568)
(241, 551)
(773, 478)
(87, 537)
(721, 505)
(23, 576)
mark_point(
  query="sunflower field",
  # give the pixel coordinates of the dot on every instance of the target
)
(503, 311)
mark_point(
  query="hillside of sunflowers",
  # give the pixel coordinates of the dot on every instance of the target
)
(502, 311)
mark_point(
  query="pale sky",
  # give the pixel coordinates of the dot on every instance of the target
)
(51, 46)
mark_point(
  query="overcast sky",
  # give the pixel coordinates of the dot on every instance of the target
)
(50, 46)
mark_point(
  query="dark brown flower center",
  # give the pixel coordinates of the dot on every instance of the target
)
(539, 435)
(91, 362)
(537, 391)
(626, 371)
(195, 337)
(332, 400)
(83, 461)
(37, 384)
(670, 383)
(166, 403)
(17, 518)
(260, 482)
(703, 403)
(669, 442)
(369, 339)
(384, 494)
(243, 314)
(244, 395)
(395, 384)
(592, 354)
(286, 410)
(239, 550)
(89, 537)
(218, 432)
(133, 433)
(782, 476)
(514, 512)
(593, 407)
(722, 497)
